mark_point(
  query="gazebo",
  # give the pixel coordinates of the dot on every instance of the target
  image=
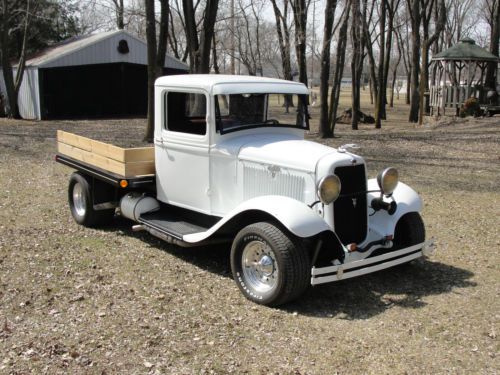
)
(458, 73)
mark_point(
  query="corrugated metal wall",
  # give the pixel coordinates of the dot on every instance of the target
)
(28, 99)
(29, 95)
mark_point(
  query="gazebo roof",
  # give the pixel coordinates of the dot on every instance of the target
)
(465, 50)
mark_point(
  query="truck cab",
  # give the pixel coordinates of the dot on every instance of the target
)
(232, 165)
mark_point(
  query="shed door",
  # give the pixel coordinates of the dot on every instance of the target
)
(94, 91)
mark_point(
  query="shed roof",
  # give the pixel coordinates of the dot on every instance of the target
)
(466, 49)
(97, 49)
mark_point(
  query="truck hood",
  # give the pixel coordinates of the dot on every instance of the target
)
(289, 153)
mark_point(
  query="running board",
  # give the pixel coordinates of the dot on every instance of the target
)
(368, 265)
(172, 230)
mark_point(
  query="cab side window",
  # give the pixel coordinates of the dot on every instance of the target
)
(186, 112)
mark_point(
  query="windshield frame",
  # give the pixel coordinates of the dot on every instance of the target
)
(303, 98)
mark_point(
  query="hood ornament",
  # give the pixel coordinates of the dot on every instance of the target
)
(344, 148)
(274, 169)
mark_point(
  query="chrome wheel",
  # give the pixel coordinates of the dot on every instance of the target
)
(259, 266)
(79, 201)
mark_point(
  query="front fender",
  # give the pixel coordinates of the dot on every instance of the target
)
(407, 200)
(296, 216)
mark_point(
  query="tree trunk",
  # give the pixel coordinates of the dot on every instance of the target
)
(394, 76)
(283, 39)
(426, 45)
(214, 56)
(338, 70)
(283, 33)
(120, 10)
(380, 105)
(356, 63)
(300, 19)
(151, 47)
(199, 49)
(414, 8)
(408, 87)
(162, 37)
(324, 128)
(12, 86)
(491, 70)
(424, 81)
(391, 7)
(156, 56)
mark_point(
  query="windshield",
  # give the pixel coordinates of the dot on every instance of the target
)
(244, 111)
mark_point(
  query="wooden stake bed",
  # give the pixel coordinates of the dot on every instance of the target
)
(126, 162)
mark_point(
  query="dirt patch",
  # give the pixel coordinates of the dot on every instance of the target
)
(77, 300)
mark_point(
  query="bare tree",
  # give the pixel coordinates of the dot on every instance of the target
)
(199, 42)
(358, 46)
(394, 74)
(338, 70)
(156, 55)
(299, 8)
(283, 32)
(421, 14)
(369, 29)
(248, 36)
(416, 20)
(120, 11)
(380, 98)
(493, 7)
(324, 128)
(456, 27)
(427, 11)
(176, 34)
(402, 40)
(8, 8)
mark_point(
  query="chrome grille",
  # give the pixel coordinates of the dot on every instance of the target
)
(350, 209)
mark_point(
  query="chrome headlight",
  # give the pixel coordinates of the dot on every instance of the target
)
(329, 189)
(388, 180)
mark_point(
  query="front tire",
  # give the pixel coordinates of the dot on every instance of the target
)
(269, 266)
(410, 230)
(80, 201)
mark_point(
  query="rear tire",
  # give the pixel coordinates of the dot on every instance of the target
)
(80, 201)
(269, 266)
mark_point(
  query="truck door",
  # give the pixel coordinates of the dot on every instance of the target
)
(181, 149)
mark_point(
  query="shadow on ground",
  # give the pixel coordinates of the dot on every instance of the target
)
(358, 298)
(403, 286)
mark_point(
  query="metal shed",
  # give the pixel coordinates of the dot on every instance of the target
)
(97, 75)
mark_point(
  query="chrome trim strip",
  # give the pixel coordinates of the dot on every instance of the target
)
(341, 275)
(362, 267)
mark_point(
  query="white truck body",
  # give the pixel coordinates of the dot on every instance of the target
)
(265, 175)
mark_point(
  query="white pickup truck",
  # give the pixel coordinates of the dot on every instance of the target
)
(230, 164)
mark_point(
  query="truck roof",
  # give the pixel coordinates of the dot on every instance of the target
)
(232, 84)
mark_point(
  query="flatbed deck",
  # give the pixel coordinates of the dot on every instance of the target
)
(124, 162)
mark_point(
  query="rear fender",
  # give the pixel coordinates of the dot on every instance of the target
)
(407, 200)
(295, 216)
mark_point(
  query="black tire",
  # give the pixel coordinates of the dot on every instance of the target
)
(410, 230)
(80, 201)
(291, 267)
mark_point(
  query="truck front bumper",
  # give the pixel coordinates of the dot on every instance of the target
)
(368, 265)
